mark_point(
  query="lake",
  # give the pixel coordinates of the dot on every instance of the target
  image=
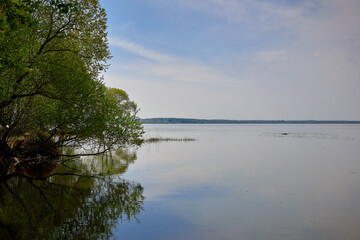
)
(280, 181)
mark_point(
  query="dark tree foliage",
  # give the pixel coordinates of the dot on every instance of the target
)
(52, 53)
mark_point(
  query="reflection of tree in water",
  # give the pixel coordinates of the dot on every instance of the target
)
(115, 162)
(69, 206)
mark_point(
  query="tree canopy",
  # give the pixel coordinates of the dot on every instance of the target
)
(52, 53)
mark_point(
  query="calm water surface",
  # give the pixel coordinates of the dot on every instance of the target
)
(233, 182)
(249, 182)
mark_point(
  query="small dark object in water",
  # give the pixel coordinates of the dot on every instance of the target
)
(284, 134)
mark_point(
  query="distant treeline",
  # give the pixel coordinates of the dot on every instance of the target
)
(224, 121)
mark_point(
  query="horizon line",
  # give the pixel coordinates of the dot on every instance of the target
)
(229, 121)
(224, 119)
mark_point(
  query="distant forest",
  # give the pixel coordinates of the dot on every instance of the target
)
(224, 121)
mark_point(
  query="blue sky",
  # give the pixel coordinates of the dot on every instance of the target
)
(237, 59)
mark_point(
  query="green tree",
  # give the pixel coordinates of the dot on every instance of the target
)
(51, 55)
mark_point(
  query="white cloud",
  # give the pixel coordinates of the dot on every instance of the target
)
(181, 71)
(140, 50)
(269, 14)
(165, 66)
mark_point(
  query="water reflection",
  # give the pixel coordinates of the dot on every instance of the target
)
(72, 203)
(238, 182)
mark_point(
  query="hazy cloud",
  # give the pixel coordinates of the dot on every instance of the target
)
(140, 50)
(272, 56)
(165, 66)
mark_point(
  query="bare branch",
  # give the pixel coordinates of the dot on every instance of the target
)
(85, 154)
